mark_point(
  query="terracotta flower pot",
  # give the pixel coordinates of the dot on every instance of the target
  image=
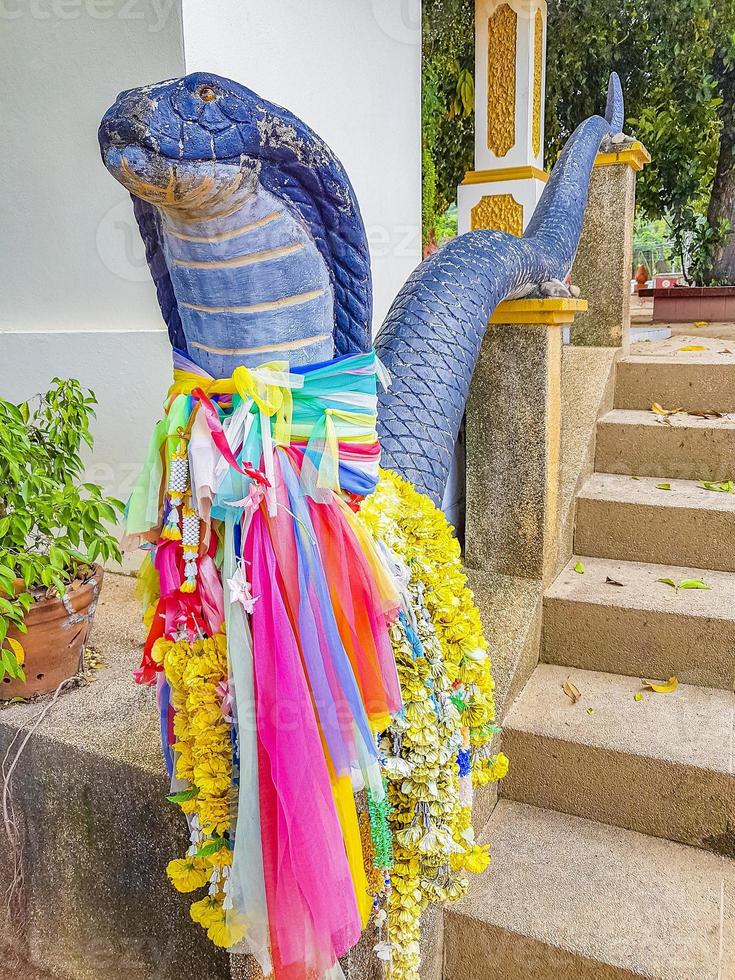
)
(54, 644)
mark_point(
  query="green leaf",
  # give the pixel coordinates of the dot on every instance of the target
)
(727, 486)
(11, 665)
(663, 486)
(213, 846)
(693, 583)
(184, 795)
(667, 581)
(579, 568)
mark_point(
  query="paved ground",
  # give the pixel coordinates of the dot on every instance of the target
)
(685, 335)
(641, 310)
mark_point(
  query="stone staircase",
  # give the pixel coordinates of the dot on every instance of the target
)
(614, 838)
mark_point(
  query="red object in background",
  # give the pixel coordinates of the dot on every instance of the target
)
(688, 304)
(641, 276)
(666, 281)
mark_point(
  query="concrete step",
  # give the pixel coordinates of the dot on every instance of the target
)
(575, 900)
(693, 381)
(661, 765)
(631, 520)
(644, 628)
(681, 446)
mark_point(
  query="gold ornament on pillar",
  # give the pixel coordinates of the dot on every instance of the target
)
(501, 80)
(499, 211)
(538, 68)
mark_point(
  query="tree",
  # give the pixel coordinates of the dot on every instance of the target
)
(675, 60)
(447, 104)
(721, 210)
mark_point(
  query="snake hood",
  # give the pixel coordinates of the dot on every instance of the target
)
(252, 230)
(256, 245)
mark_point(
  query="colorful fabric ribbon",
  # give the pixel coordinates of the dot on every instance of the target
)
(305, 600)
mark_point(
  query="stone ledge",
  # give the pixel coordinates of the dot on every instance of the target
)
(89, 792)
(552, 311)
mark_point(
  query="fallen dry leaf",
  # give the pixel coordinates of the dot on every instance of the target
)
(662, 687)
(693, 347)
(664, 412)
(572, 692)
(613, 581)
(706, 415)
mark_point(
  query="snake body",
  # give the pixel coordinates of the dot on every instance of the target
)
(205, 158)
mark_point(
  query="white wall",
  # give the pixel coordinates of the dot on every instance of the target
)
(351, 69)
(76, 299)
(70, 255)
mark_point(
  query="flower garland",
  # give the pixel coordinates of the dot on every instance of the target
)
(197, 675)
(439, 745)
(434, 750)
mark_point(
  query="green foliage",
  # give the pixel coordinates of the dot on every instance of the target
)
(52, 526)
(699, 241)
(447, 105)
(671, 58)
(651, 243)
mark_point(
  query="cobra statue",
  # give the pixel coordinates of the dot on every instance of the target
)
(256, 245)
(324, 685)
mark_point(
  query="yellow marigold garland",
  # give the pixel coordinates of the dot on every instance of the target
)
(197, 675)
(447, 685)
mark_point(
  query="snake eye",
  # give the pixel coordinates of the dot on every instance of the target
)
(207, 94)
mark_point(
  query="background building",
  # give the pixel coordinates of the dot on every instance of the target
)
(77, 299)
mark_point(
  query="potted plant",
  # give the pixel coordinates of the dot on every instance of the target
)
(52, 535)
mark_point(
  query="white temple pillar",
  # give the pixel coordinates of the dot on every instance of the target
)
(510, 73)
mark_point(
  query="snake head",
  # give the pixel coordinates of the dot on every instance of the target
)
(190, 145)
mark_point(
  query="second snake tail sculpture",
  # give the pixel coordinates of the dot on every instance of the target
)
(431, 338)
(258, 250)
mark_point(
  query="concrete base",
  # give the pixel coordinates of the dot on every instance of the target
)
(689, 380)
(604, 258)
(89, 792)
(642, 627)
(510, 608)
(684, 447)
(513, 445)
(587, 384)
